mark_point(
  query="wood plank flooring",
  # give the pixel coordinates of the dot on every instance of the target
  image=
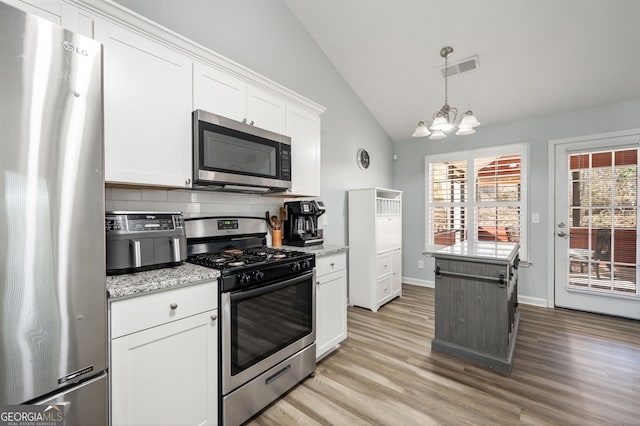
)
(569, 367)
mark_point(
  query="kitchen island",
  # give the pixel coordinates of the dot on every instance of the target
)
(477, 302)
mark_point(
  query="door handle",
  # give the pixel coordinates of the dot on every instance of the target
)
(562, 234)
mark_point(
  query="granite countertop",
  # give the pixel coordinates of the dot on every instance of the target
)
(319, 250)
(481, 250)
(140, 283)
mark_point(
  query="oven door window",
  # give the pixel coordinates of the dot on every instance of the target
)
(225, 150)
(267, 319)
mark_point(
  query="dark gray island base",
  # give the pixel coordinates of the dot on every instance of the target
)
(476, 303)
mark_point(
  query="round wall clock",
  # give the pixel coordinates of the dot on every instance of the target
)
(363, 159)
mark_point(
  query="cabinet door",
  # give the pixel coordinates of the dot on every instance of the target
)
(219, 93)
(331, 311)
(167, 375)
(147, 109)
(265, 110)
(388, 233)
(304, 130)
(396, 271)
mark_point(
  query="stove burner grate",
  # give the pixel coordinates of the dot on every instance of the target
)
(237, 258)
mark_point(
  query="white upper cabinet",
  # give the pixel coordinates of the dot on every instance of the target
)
(218, 92)
(221, 93)
(304, 129)
(265, 110)
(147, 109)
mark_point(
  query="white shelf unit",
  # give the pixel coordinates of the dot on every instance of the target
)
(375, 247)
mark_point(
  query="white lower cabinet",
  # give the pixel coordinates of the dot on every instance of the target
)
(331, 303)
(166, 374)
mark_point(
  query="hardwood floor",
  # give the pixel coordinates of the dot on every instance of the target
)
(569, 367)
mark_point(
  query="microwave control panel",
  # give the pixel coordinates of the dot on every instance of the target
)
(142, 222)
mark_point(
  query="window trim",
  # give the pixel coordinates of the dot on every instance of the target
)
(522, 149)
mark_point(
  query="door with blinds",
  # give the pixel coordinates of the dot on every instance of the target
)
(596, 226)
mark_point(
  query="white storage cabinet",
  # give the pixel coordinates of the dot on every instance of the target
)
(375, 247)
(303, 127)
(331, 303)
(147, 109)
(164, 358)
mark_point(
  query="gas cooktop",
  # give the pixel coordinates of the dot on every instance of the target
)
(237, 258)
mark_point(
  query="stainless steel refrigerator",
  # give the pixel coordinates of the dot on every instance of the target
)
(53, 333)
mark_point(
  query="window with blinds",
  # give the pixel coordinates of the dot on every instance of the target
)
(478, 195)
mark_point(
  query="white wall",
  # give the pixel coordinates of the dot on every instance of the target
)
(409, 177)
(264, 36)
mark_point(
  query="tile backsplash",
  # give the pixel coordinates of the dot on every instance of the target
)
(190, 203)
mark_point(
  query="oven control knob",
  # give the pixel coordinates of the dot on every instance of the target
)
(244, 279)
(296, 267)
(258, 276)
(307, 264)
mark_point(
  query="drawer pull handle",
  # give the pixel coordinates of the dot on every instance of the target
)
(317, 282)
(173, 306)
(332, 264)
(214, 317)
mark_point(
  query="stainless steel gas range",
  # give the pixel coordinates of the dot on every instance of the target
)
(267, 300)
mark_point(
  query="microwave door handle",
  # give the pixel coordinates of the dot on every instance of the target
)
(175, 249)
(137, 257)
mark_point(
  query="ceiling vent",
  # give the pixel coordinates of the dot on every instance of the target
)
(465, 65)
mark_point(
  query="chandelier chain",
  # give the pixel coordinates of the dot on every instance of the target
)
(446, 74)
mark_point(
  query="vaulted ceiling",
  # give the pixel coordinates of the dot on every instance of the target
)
(535, 57)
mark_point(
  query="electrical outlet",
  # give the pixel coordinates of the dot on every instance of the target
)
(420, 264)
(535, 217)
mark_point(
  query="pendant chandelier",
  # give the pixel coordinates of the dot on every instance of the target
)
(446, 118)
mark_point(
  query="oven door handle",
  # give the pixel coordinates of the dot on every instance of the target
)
(247, 294)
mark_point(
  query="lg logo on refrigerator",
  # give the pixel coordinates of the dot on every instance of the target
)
(69, 47)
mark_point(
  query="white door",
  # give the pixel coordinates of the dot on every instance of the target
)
(265, 110)
(219, 93)
(147, 109)
(596, 223)
(304, 129)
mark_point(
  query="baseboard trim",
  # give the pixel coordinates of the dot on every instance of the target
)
(534, 301)
(418, 282)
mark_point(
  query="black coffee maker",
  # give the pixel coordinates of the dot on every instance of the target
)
(301, 225)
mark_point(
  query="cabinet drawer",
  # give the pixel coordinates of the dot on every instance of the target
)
(384, 288)
(383, 264)
(331, 263)
(139, 313)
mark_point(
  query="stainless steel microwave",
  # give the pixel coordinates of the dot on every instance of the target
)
(232, 156)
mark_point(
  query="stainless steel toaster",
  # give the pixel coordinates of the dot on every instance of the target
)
(138, 241)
